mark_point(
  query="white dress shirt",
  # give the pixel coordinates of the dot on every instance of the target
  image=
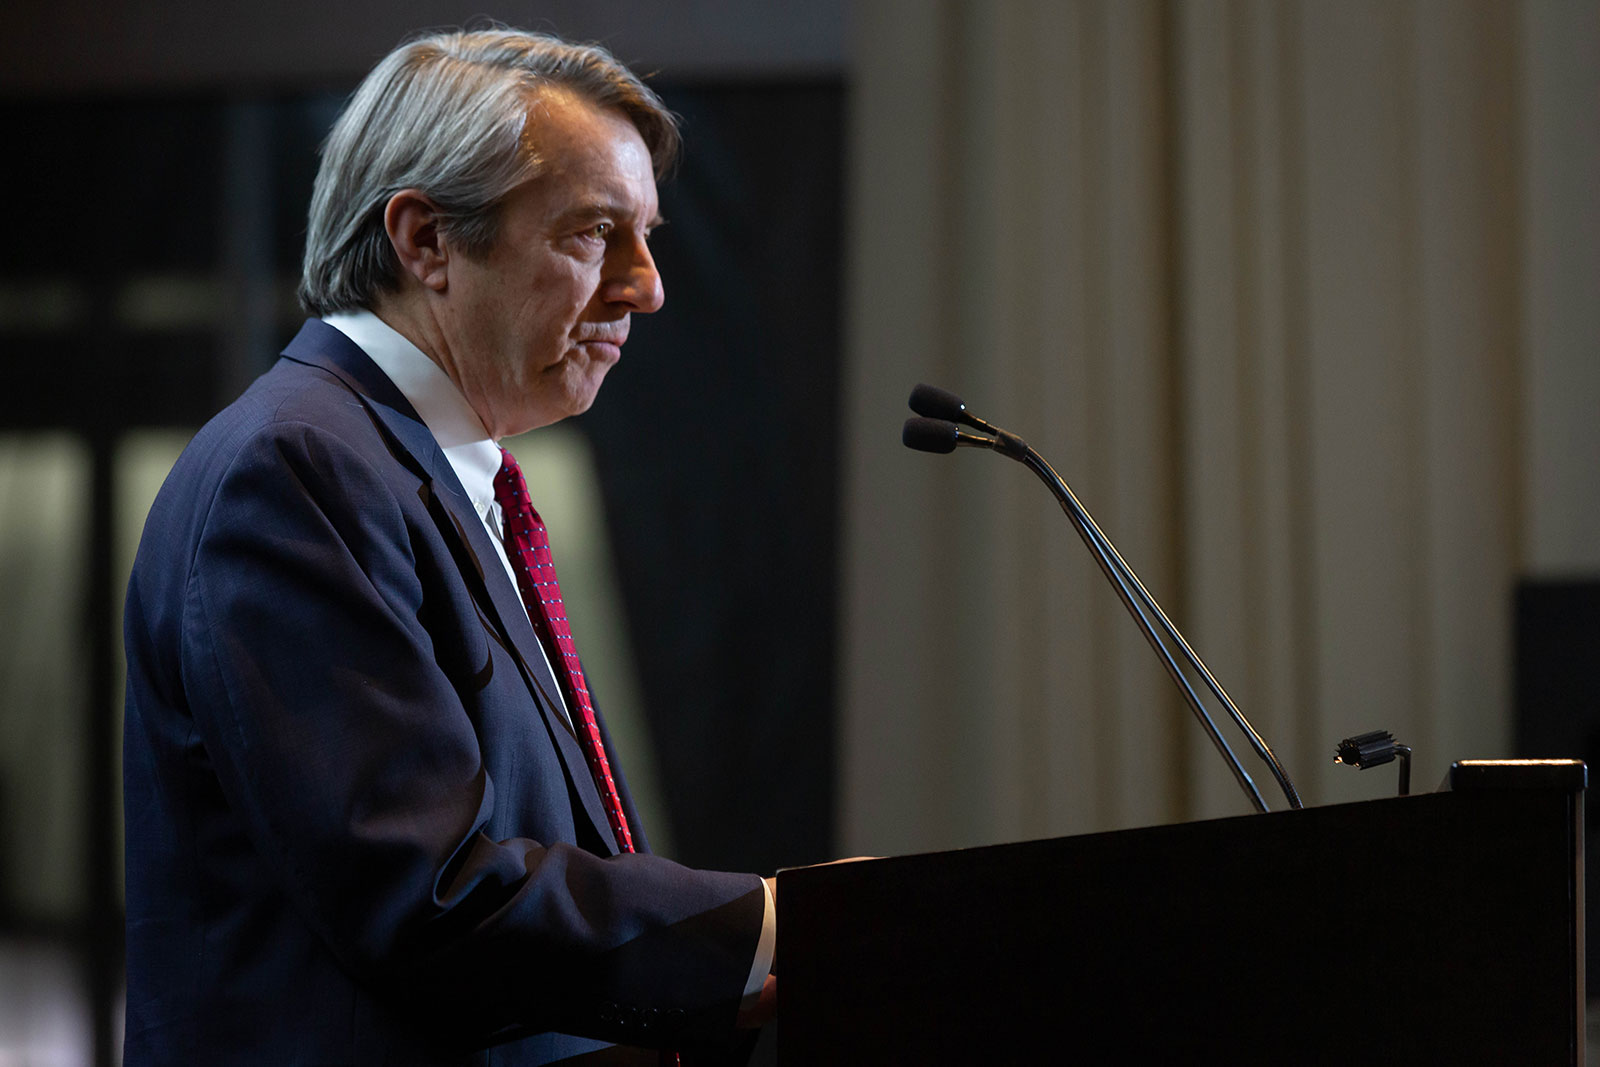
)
(475, 458)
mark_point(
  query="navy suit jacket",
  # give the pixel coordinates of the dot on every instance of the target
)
(359, 830)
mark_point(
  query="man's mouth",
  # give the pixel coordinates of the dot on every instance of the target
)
(615, 336)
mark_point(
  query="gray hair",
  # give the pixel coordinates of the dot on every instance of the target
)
(444, 114)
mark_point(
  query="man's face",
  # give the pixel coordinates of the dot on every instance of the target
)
(532, 326)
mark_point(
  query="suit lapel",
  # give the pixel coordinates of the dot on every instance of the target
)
(484, 575)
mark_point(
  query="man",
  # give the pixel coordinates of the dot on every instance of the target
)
(373, 815)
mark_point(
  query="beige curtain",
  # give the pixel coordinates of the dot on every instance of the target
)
(1299, 297)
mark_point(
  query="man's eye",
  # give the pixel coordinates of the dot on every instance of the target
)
(599, 231)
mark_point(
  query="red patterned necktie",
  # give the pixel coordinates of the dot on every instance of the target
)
(529, 548)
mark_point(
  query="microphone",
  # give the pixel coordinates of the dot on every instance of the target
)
(936, 403)
(938, 435)
(937, 431)
(941, 406)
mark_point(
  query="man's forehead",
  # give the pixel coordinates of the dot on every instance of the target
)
(590, 158)
(558, 117)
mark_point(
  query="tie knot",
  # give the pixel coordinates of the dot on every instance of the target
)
(510, 490)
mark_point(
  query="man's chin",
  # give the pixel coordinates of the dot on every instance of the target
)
(582, 397)
(571, 401)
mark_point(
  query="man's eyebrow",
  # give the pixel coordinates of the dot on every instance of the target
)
(607, 209)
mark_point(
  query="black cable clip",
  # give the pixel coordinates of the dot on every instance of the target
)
(1373, 750)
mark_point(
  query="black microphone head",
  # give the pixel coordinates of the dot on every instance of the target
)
(930, 435)
(935, 403)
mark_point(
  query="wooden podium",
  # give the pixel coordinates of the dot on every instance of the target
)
(1440, 928)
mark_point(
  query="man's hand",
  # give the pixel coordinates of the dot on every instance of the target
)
(758, 1010)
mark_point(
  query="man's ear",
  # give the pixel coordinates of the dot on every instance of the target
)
(412, 223)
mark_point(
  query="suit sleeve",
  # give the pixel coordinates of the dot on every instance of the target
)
(349, 754)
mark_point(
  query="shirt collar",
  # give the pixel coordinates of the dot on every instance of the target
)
(443, 409)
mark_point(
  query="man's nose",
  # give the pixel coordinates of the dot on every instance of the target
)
(638, 284)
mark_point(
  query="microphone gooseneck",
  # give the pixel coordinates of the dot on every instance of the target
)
(937, 431)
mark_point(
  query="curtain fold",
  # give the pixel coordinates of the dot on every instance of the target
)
(1254, 277)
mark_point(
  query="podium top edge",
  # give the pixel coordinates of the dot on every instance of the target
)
(1469, 774)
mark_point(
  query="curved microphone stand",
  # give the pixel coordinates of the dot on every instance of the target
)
(937, 431)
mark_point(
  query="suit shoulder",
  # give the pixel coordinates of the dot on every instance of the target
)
(296, 429)
(282, 403)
